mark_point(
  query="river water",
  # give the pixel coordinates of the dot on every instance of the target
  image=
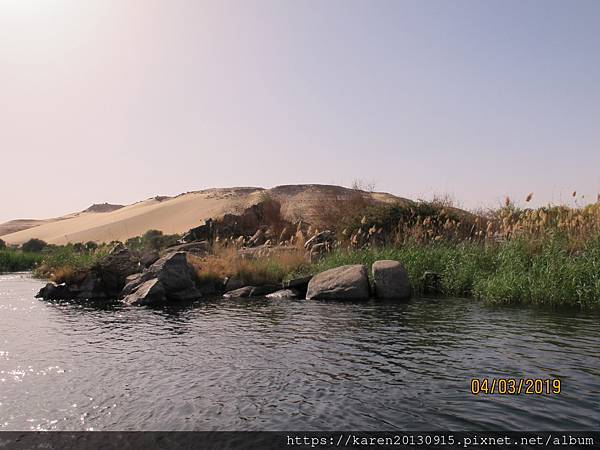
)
(257, 364)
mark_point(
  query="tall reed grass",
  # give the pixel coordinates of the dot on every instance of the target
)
(17, 261)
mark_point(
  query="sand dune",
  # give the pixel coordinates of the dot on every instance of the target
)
(179, 214)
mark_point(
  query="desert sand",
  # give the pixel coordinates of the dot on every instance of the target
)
(178, 214)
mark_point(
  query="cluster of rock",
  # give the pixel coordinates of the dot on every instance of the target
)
(390, 281)
(291, 289)
(137, 281)
(103, 281)
(260, 231)
(169, 278)
(351, 282)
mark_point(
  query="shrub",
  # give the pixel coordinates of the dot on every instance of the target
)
(34, 245)
(2, 244)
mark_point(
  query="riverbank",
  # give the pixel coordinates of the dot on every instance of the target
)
(549, 256)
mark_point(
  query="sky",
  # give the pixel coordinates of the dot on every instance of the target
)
(121, 100)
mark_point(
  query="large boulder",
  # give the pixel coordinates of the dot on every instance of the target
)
(343, 283)
(92, 287)
(114, 269)
(148, 293)
(176, 277)
(174, 272)
(54, 291)
(391, 280)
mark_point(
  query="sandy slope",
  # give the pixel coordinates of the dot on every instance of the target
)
(179, 214)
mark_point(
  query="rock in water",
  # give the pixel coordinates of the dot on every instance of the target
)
(55, 292)
(177, 278)
(391, 280)
(239, 293)
(149, 292)
(343, 283)
(283, 294)
(176, 275)
(114, 269)
(298, 284)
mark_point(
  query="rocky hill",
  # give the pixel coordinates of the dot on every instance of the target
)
(105, 222)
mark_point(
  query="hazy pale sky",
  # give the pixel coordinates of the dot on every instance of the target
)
(122, 100)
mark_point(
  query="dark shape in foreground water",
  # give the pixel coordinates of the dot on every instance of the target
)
(258, 364)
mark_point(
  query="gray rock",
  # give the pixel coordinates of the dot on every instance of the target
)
(149, 258)
(175, 274)
(284, 294)
(177, 281)
(55, 292)
(91, 288)
(252, 291)
(344, 283)
(116, 267)
(233, 283)
(149, 292)
(298, 284)
(132, 282)
(391, 280)
(239, 293)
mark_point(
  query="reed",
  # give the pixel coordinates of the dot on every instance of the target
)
(16, 260)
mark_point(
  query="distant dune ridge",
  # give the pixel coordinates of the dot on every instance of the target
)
(106, 222)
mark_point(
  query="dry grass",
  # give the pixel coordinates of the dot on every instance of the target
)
(227, 262)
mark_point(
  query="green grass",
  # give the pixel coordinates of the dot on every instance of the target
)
(16, 260)
(511, 272)
(62, 264)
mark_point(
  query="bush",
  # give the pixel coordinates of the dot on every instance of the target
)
(152, 240)
(2, 244)
(65, 263)
(34, 246)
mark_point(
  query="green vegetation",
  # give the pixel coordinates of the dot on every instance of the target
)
(16, 260)
(34, 246)
(507, 272)
(69, 262)
(152, 240)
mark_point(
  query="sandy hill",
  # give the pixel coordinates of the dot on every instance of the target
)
(105, 223)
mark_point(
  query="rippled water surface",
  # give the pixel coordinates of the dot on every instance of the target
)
(285, 365)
